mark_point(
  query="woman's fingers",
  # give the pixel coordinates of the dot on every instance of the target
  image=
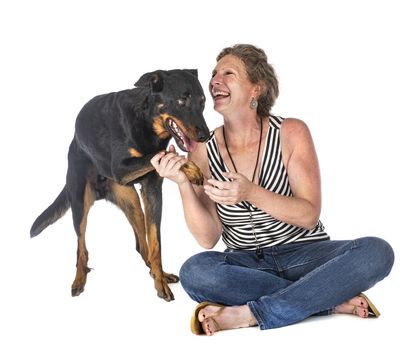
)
(168, 164)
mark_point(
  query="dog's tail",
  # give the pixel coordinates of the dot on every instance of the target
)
(50, 215)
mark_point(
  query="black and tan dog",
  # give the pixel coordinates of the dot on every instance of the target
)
(116, 135)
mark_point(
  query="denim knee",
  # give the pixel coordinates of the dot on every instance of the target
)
(188, 268)
(379, 256)
(195, 273)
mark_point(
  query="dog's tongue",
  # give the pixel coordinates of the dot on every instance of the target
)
(183, 142)
(190, 145)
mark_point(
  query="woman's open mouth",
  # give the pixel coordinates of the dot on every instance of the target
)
(218, 95)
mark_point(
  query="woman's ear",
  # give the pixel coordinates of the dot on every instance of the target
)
(258, 90)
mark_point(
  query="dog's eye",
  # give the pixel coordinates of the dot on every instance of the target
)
(161, 107)
(181, 102)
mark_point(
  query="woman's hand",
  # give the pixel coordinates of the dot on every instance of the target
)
(167, 164)
(229, 193)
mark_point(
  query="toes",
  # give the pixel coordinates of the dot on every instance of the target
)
(208, 311)
(208, 326)
(202, 315)
(363, 303)
(356, 310)
(359, 301)
(361, 312)
(365, 313)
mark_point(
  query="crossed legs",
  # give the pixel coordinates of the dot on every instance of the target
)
(291, 283)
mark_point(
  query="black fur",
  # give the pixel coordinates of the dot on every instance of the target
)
(116, 135)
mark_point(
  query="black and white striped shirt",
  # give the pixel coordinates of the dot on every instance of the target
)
(240, 231)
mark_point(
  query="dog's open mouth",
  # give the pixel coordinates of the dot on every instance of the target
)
(182, 140)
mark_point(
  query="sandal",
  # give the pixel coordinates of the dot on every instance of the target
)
(372, 310)
(195, 324)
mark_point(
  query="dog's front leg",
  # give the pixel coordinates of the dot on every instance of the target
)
(151, 192)
(128, 169)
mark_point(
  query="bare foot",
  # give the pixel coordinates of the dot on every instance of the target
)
(357, 306)
(216, 318)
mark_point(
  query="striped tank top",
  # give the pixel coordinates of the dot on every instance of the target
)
(242, 230)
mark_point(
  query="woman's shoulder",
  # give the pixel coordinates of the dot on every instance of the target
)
(294, 127)
(295, 135)
(287, 123)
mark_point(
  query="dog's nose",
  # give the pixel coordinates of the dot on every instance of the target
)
(202, 135)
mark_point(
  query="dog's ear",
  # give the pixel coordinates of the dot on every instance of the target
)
(153, 80)
(192, 71)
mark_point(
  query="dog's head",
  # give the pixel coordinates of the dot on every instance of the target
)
(176, 102)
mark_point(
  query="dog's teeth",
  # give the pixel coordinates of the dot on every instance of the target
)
(174, 126)
(177, 131)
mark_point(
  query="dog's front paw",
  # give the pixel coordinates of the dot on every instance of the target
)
(193, 173)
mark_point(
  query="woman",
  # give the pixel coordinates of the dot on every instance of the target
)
(263, 197)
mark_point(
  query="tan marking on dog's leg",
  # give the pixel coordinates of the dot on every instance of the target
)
(136, 174)
(161, 278)
(156, 257)
(82, 253)
(161, 283)
(134, 153)
(127, 199)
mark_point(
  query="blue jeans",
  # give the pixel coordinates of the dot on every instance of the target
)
(291, 282)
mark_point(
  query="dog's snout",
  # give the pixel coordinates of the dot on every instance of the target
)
(203, 135)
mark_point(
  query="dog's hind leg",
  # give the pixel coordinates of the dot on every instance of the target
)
(80, 205)
(151, 192)
(127, 199)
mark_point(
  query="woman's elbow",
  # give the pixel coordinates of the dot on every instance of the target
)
(207, 241)
(311, 221)
(310, 218)
(310, 225)
(207, 245)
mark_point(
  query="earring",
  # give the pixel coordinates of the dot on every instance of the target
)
(254, 103)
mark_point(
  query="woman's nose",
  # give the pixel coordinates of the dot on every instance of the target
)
(215, 80)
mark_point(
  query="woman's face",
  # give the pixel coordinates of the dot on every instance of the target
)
(230, 87)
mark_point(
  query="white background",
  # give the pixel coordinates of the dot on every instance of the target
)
(349, 69)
